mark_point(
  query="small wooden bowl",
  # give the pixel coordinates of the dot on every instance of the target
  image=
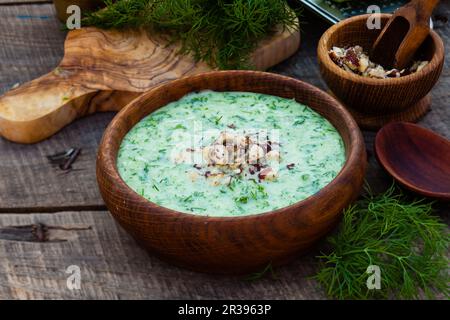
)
(375, 102)
(231, 245)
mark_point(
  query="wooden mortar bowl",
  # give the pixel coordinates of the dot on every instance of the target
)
(231, 245)
(375, 102)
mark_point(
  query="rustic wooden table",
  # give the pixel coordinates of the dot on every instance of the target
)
(36, 197)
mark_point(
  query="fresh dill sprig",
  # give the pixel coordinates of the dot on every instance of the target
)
(223, 33)
(401, 237)
(268, 271)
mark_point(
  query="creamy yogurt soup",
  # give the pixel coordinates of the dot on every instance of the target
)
(230, 154)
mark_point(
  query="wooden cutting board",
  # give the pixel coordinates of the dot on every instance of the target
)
(103, 70)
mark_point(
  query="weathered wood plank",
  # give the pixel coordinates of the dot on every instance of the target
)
(31, 43)
(113, 267)
(37, 249)
(30, 183)
(13, 2)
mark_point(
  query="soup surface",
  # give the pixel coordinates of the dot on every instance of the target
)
(230, 154)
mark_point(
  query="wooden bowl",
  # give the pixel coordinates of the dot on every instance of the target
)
(375, 102)
(233, 245)
(416, 157)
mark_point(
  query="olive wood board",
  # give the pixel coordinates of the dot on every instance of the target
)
(103, 70)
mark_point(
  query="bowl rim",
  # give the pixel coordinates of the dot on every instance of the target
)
(323, 56)
(355, 151)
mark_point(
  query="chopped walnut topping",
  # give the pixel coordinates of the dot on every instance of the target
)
(255, 153)
(234, 155)
(268, 174)
(354, 59)
(351, 59)
(273, 155)
(418, 66)
(193, 175)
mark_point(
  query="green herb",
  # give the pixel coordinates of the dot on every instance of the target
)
(233, 184)
(224, 33)
(217, 120)
(243, 199)
(191, 197)
(180, 126)
(400, 237)
(239, 117)
(299, 121)
(164, 181)
(194, 209)
(268, 270)
(260, 191)
(253, 191)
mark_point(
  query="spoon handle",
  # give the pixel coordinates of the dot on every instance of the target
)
(424, 9)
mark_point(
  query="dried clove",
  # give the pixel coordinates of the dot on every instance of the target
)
(64, 159)
(68, 164)
(60, 157)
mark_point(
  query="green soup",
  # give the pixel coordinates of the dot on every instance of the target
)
(230, 154)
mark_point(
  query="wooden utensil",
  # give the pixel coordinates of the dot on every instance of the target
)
(416, 157)
(103, 70)
(231, 244)
(403, 35)
(376, 102)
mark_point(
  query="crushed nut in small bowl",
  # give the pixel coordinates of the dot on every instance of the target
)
(355, 59)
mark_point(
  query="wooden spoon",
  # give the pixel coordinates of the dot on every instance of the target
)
(403, 34)
(416, 157)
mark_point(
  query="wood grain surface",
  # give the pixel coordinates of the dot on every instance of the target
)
(113, 267)
(16, 2)
(103, 70)
(32, 47)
